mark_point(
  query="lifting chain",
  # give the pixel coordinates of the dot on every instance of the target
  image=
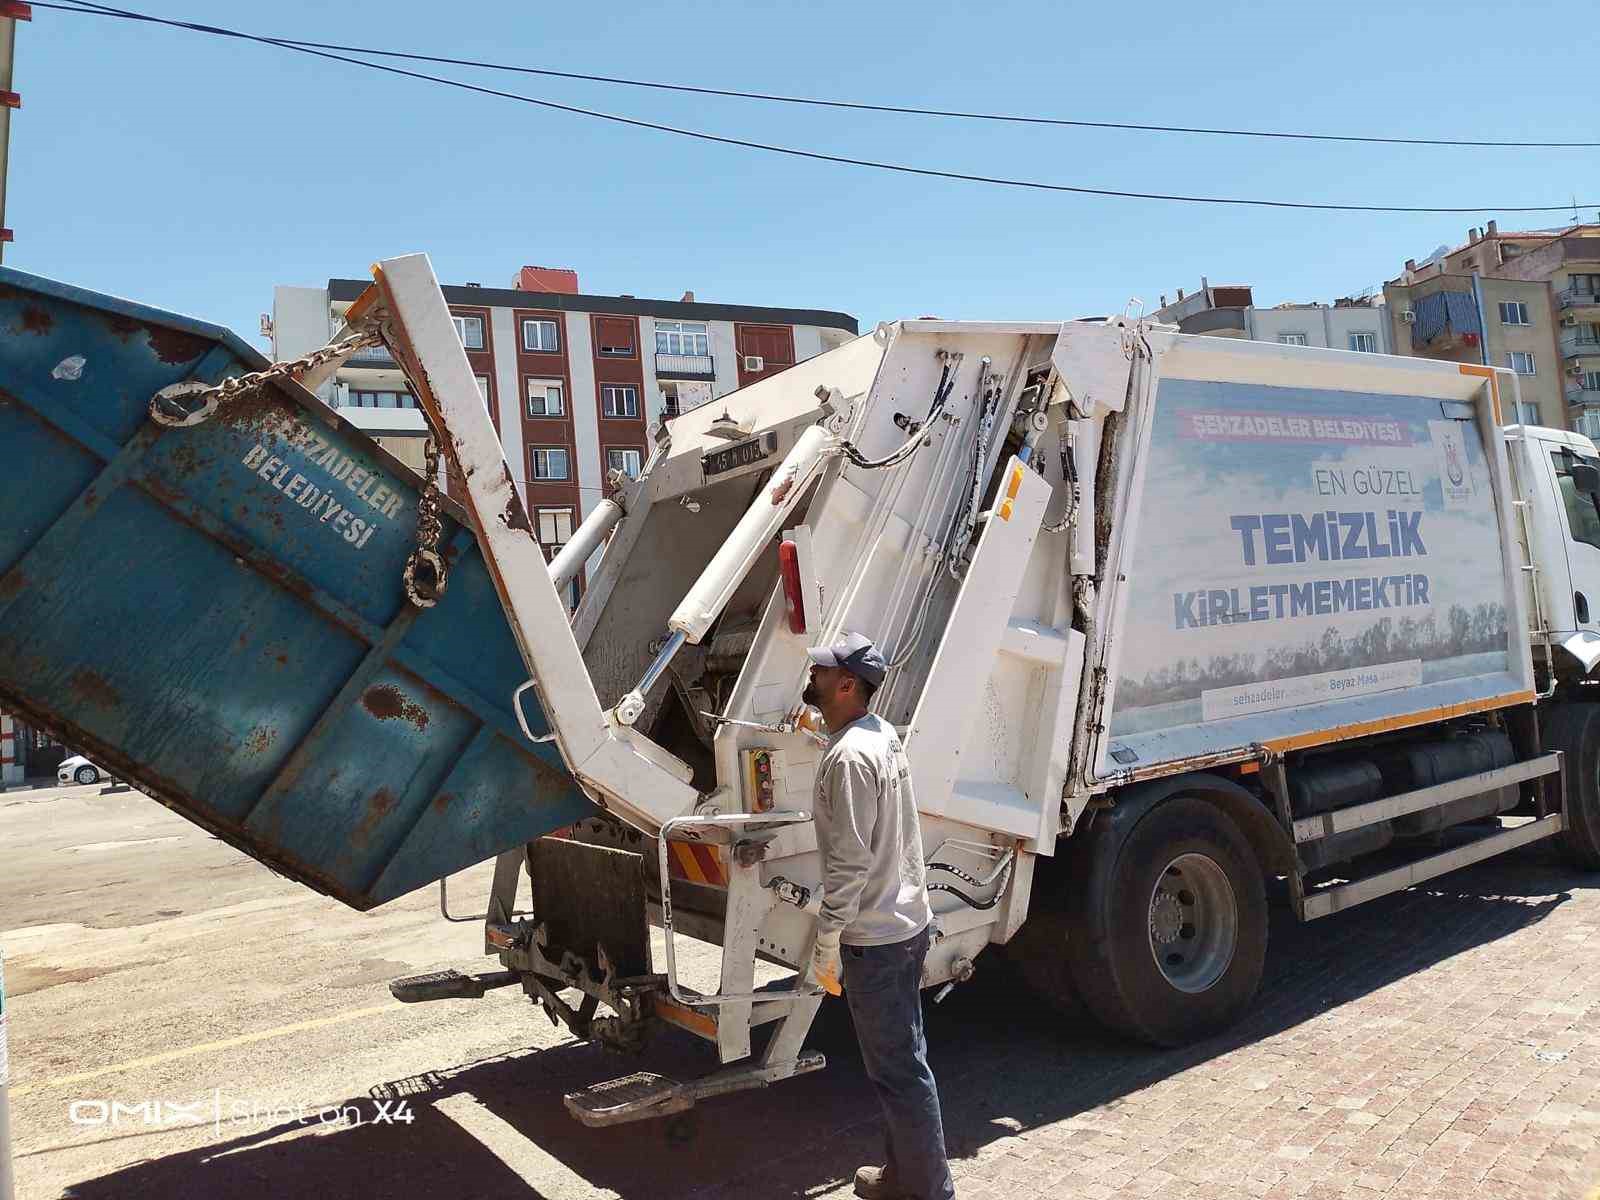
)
(425, 574)
(189, 403)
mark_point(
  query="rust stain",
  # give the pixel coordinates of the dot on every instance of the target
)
(11, 584)
(283, 660)
(258, 412)
(516, 516)
(443, 801)
(173, 346)
(388, 703)
(94, 688)
(260, 739)
(185, 461)
(37, 321)
(122, 327)
(379, 805)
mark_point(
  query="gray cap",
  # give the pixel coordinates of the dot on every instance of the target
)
(855, 654)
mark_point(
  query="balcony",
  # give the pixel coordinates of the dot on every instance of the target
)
(1573, 298)
(1582, 342)
(1578, 394)
(685, 366)
(377, 357)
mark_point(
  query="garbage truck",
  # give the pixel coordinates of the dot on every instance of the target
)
(1169, 619)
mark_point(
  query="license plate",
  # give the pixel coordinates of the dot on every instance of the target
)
(740, 454)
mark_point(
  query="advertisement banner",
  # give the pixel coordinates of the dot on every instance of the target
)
(1297, 547)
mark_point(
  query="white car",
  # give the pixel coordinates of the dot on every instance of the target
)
(79, 769)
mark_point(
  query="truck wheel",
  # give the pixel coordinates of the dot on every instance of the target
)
(1169, 934)
(1574, 729)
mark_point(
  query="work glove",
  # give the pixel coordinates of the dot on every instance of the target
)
(825, 967)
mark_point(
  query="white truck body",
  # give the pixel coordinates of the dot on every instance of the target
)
(1112, 567)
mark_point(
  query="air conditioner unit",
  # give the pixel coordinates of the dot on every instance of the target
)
(754, 363)
(1409, 316)
(1569, 322)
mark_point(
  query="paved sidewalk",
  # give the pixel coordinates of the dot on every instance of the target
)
(1443, 1044)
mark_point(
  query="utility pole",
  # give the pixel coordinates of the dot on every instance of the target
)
(8, 1185)
(11, 11)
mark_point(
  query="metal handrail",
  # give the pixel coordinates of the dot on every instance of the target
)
(775, 820)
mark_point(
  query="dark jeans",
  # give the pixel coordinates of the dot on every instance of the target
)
(881, 984)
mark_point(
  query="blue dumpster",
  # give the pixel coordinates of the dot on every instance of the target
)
(216, 613)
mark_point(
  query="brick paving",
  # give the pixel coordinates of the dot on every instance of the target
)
(1436, 1045)
(1441, 1044)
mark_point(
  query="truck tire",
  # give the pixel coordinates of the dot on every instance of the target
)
(1574, 729)
(1168, 930)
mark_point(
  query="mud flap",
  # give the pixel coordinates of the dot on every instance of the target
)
(590, 901)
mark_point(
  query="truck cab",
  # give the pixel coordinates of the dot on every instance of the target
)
(1558, 474)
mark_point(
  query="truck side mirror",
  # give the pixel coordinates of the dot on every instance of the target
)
(1586, 477)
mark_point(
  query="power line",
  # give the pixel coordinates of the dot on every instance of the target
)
(909, 110)
(790, 151)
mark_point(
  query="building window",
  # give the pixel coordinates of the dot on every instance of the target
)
(629, 462)
(549, 462)
(470, 331)
(540, 336)
(1365, 343)
(682, 337)
(1520, 361)
(545, 398)
(1291, 339)
(1525, 412)
(614, 337)
(1589, 381)
(483, 390)
(619, 400)
(1584, 285)
(382, 400)
(1514, 312)
(555, 529)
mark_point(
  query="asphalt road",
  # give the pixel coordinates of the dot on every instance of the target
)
(186, 1024)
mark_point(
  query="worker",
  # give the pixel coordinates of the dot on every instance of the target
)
(874, 924)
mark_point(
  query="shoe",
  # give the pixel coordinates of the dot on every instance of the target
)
(875, 1183)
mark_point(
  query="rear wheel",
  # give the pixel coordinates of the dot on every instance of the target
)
(1168, 936)
(1574, 729)
(86, 774)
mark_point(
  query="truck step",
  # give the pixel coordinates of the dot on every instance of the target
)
(645, 1095)
(636, 1097)
(448, 985)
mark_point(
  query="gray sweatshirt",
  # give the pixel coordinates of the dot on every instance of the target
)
(874, 881)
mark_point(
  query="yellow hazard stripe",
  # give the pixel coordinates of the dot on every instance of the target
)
(688, 864)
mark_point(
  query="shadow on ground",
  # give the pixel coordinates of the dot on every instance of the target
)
(1004, 1063)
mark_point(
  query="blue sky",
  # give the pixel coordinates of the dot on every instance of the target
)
(195, 173)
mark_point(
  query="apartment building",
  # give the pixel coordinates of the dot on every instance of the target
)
(574, 382)
(1528, 301)
(1229, 310)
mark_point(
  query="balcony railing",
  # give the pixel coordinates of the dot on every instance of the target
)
(371, 356)
(686, 366)
(1580, 343)
(1573, 298)
(1578, 394)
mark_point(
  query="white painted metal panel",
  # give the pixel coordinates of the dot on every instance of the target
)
(973, 733)
(1217, 641)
